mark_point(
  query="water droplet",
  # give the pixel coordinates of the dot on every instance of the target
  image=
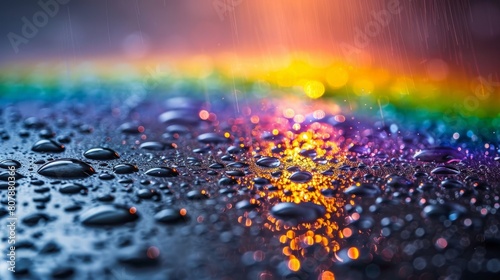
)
(359, 149)
(50, 248)
(216, 165)
(6, 163)
(72, 189)
(247, 204)
(261, 181)
(5, 175)
(329, 192)
(197, 195)
(268, 136)
(46, 133)
(47, 146)
(147, 193)
(34, 122)
(106, 176)
(105, 197)
(179, 129)
(108, 215)
(268, 162)
(235, 173)
(445, 170)
(212, 138)
(129, 128)
(66, 168)
(125, 168)
(162, 172)
(308, 153)
(298, 213)
(225, 181)
(62, 272)
(152, 146)
(237, 164)
(365, 189)
(301, 177)
(64, 139)
(182, 117)
(169, 216)
(395, 181)
(35, 218)
(234, 150)
(438, 154)
(101, 154)
(451, 184)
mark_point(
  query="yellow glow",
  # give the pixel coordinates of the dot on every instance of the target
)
(337, 77)
(353, 253)
(294, 264)
(309, 240)
(327, 275)
(363, 87)
(314, 89)
(286, 251)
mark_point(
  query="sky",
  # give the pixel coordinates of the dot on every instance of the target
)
(455, 35)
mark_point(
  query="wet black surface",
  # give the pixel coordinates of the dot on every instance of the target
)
(152, 191)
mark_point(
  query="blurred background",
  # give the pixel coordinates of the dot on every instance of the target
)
(383, 49)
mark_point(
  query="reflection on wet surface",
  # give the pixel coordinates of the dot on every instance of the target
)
(181, 189)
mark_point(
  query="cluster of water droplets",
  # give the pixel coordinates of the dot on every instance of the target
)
(188, 190)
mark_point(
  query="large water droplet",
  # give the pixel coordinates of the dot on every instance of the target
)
(6, 163)
(155, 146)
(35, 218)
(66, 168)
(169, 216)
(197, 194)
(108, 215)
(216, 165)
(445, 170)
(301, 177)
(182, 117)
(268, 162)
(438, 154)
(129, 128)
(125, 168)
(47, 146)
(247, 204)
(162, 172)
(34, 122)
(225, 181)
(176, 128)
(5, 175)
(212, 138)
(235, 173)
(72, 189)
(451, 184)
(298, 213)
(101, 154)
